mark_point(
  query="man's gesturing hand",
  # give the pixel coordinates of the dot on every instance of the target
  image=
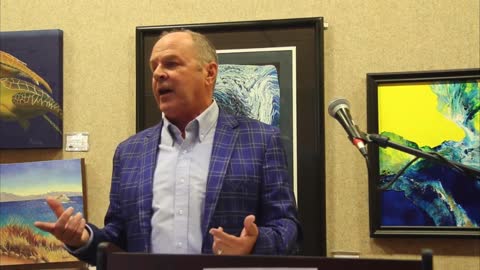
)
(224, 243)
(69, 228)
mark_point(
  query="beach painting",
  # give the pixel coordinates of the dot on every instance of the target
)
(23, 189)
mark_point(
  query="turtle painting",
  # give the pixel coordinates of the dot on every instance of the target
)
(19, 98)
(31, 82)
(10, 66)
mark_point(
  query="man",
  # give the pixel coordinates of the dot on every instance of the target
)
(201, 181)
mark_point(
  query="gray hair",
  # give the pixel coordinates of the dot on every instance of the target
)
(206, 51)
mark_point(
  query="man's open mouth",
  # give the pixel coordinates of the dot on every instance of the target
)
(164, 91)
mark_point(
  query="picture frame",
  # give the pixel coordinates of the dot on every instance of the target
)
(31, 78)
(24, 188)
(306, 160)
(430, 111)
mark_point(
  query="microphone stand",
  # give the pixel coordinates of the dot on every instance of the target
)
(385, 142)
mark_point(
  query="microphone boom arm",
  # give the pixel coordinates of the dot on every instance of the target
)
(385, 142)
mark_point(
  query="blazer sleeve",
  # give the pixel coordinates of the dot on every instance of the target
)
(114, 225)
(280, 230)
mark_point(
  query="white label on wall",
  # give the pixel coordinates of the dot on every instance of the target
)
(76, 142)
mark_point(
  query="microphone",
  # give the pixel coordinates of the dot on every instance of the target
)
(340, 110)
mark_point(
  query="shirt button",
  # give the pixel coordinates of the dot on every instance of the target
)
(182, 180)
(180, 212)
(179, 244)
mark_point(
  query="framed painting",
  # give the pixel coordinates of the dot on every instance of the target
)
(435, 112)
(31, 84)
(24, 187)
(260, 77)
(261, 83)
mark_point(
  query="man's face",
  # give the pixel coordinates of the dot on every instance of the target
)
(182, 86)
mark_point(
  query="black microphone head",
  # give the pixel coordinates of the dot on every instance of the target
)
(336, 105)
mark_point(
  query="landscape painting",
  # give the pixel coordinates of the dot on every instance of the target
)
(31, 89)
(24, 187)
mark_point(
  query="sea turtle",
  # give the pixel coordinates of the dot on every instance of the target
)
(21, 100)
(11, 67)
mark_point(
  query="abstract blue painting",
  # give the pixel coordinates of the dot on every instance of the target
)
(436, 113)
(249, 90)
(260, 83)
(31, 89)
(445, 118)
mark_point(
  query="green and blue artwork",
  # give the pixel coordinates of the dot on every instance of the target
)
(443, 117)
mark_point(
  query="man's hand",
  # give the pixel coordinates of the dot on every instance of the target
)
(69, 228)
(224, 243)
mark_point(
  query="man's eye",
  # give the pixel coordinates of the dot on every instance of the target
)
(171, 64)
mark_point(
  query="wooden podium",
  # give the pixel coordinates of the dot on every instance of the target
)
(111, 258)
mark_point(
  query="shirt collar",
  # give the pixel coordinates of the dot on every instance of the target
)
(201, 126)
(207, 120)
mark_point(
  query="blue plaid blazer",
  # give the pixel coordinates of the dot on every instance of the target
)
(248, 175)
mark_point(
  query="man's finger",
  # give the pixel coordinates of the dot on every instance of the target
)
(55, 205)
(62, 221)
(71, 227)
(217, 233)
(250, 226)
(81, 228)
(45, 226)
(223, 238)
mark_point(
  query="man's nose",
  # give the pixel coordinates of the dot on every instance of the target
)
(159, 74)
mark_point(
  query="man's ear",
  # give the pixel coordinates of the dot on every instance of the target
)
(212, 71)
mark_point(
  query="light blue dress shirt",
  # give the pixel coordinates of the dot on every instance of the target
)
(179, 184)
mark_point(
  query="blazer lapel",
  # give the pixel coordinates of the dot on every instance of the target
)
(223, 145)
(148, 163)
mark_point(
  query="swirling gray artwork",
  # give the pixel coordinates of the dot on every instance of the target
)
(249, 90)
